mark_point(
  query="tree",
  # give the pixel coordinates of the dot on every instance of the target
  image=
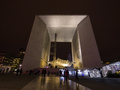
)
(8, 60)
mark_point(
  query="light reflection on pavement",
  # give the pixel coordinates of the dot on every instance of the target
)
(53, 83)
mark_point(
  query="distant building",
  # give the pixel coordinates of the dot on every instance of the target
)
(2, 56)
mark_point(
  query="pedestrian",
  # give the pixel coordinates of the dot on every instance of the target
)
(66, 75)
(30, 72)
(20, 71)
(0, 70)
(17, 71)
(38, 72)
(77, 79)
(101, 73)
(60, 72)
(64, 72)
(44, 72)
(48, 73)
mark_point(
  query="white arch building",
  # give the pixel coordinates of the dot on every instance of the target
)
(76, 29)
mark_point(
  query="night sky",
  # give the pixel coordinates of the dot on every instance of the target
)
(17, 16)
(63, 49)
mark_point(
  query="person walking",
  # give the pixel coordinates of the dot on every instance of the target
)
(48, 73)
(17, 71)
(44, 72)
(77, 79)
(20, 71)
(66, 75)
(60, 72)
(38, 72)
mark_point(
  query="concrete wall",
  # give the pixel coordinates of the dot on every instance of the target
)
(45, 50)
(35, 45)
(64, 34)
(90, 53)
(76, 51)
(84, 47)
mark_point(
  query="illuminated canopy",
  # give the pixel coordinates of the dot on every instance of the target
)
(63, 25)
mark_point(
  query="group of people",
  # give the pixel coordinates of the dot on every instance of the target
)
(66, 74)
(37, 72)
(44, 72)
(19, 71)
(4, 70)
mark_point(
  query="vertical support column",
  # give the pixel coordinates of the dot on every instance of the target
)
(35, 45)
(76, 52)
(90, 53)
(54, 58)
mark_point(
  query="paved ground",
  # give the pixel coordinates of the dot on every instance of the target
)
(52, 82)
(13, 82)
(95, 85)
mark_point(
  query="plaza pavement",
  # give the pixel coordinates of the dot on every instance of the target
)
(52, 82)
(13, 82)
(95, 84)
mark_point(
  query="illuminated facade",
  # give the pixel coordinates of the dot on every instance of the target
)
(76, 29)
(60, 63)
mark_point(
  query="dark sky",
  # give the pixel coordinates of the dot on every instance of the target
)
(63, 49)
(17, 16)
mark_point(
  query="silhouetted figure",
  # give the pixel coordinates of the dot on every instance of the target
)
(77, 79)
(101, 73)
(44, 72)
(0, 70)
(60, 72)
(88, 74)
(48, 73)
(7, 70)
(20, 71)
(38, 72)
(66, 75)
(17, 71)
(30, 72)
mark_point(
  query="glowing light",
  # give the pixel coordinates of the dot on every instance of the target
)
(70, 72)
(107, 62)
(95, 73)
(111, 67)
(23, 52)
(15, 70)
(62, 20)
(86, 72)
(79, 73)
(65, 64)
